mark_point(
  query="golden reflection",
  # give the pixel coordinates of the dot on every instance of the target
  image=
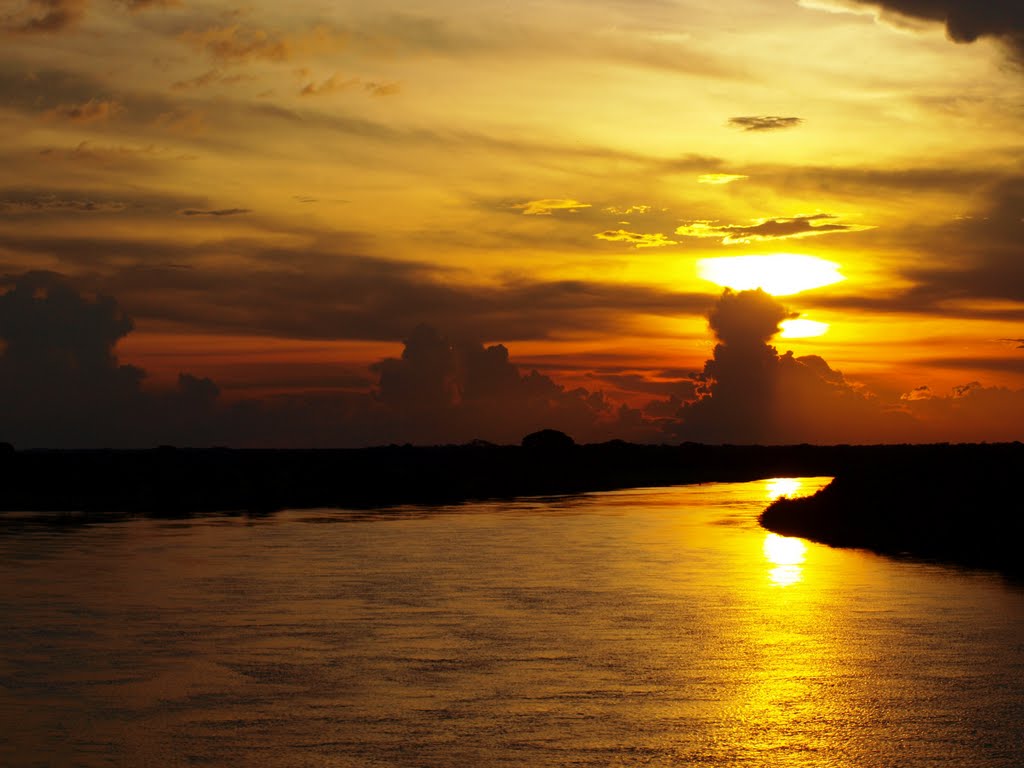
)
(786, 554)
(783, 486)
(779, 274)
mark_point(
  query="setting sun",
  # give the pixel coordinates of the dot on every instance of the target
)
(780, 274)
(802, 329)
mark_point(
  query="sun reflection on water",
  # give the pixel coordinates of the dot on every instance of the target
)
(787, 555)
(783, 486)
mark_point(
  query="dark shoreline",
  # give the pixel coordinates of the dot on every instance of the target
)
(955, 504)
(958, 505)
(180, 481)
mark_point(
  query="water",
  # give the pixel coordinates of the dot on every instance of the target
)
(644, 627)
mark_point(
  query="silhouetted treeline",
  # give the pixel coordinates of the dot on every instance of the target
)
(170, 481)
(951, 503)
(178, 481)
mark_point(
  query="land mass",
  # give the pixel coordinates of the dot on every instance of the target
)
(957, 504)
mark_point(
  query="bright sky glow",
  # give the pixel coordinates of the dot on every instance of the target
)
(802, 329)
(781, 274)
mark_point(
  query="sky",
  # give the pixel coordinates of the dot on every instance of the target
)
(344, 224)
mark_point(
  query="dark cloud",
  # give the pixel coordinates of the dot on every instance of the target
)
(749, 393)
(764, 122)
(61, 385)
(770, 229)
(329, 293)
(216, 212)
(444, 391)
(965, 20)
(978, 256)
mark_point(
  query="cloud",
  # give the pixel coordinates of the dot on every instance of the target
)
(45, 16)
(210, 77)
(769, 229)
(749, 393)
(653, 240)
(720, 178)
(48, 202)
(216, 212)
(989, 259)
(333, 84)
(382, 89)
(764, 122)
(234, 43)
(61, 385)
(627, 210)
(91, 111)
(330, 292)
(965, 20)
(547, 206)
(445, 391)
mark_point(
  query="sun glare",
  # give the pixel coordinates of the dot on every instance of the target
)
(786, 554)
(783, 486)
(780, 274)
(802, 329)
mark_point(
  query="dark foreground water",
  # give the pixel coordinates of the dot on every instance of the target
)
(642, 627)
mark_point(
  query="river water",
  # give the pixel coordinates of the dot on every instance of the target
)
(647, 627)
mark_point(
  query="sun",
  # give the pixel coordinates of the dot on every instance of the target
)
(780, 274)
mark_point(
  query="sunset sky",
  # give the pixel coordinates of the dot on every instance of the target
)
(272, 198)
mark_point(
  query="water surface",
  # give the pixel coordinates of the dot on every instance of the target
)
(641, 627)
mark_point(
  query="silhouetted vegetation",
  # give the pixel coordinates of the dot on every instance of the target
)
(954, 503)
(950, 503)
(177, 481)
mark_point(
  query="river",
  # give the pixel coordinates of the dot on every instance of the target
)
(646, 627)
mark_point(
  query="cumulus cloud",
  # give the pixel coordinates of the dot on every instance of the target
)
(769, 229)
(764, 122)
(62, 385)
(749, 393)
(60, 382)
(548, 206)
(637, 240)
(441, 390)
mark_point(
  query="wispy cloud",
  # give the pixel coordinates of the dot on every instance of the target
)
(636, 239)
(45, 16)
(764, 122)
(548, 206)
(91, 111)
(216, 212)
(769, 229)
(720, 178)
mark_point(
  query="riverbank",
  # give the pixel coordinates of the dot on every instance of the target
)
(170, 481)
(958, 505)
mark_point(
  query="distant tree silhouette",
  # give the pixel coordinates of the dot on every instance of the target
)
(548, 440)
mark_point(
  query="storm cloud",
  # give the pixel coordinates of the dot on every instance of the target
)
(965, 20)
